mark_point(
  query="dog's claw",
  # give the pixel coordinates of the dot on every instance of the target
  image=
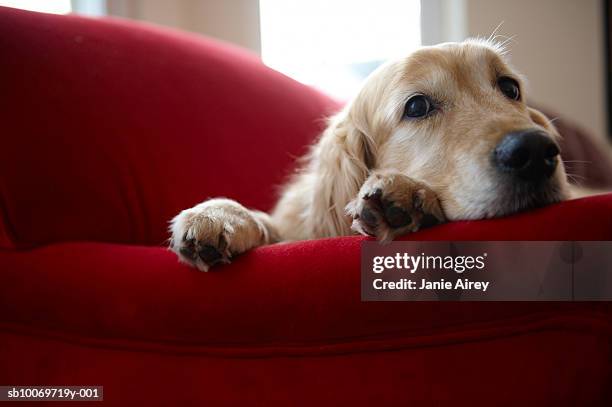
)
(375, 195)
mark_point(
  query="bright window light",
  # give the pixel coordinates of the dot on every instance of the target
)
(45, 6)
(334, 45)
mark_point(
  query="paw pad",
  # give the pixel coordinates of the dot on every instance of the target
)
(397, 217)
(210, 255)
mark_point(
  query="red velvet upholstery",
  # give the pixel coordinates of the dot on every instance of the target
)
(110, 128)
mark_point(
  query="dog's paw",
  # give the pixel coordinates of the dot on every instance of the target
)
(392, 204)
(214, 231)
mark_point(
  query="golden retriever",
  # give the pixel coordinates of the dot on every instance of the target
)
(443, 134)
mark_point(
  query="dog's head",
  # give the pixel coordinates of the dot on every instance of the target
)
(454, 116)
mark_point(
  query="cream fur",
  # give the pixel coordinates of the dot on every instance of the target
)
(438, 166)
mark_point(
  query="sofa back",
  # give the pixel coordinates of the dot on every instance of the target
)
(110, 128)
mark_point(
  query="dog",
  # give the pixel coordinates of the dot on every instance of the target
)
(443, 134)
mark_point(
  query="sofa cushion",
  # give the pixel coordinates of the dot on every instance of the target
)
(278, 296)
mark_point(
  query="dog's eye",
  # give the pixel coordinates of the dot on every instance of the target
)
(417, 106)
(509, 87)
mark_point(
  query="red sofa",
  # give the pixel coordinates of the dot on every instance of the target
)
(110, 128)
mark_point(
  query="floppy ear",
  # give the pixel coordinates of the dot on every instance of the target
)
(346, 153)
(342, 161)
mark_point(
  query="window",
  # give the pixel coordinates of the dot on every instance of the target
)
(334, 45)
(55, 6)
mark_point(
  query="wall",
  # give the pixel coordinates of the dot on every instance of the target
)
(558, 46)
(234, 21)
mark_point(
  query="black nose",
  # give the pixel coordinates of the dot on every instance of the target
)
(529, 154)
